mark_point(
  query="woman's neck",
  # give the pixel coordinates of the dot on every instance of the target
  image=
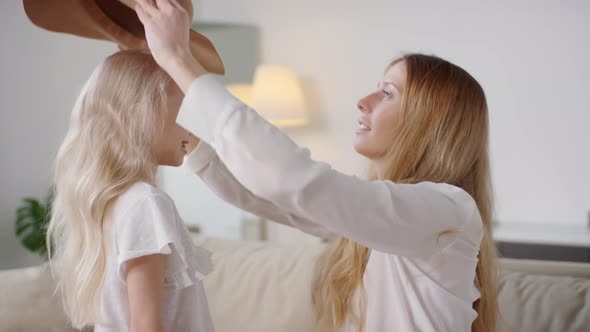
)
(379, 168)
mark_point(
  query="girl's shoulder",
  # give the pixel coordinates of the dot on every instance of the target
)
(141, 190)
(138, 197)
(147, 222)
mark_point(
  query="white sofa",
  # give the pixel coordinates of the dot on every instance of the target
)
(261, 287)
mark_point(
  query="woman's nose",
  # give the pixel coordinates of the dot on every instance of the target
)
(364, 104)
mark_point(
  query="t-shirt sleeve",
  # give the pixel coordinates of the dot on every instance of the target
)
(150, 226)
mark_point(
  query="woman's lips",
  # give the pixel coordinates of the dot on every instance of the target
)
(363, 127)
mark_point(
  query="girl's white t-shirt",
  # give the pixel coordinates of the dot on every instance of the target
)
(144, 221)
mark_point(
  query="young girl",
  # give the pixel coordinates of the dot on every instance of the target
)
(415, 251)
(125, 259)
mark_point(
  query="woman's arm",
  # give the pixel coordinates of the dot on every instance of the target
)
(206, 164)
(145, 292)
(403, 219)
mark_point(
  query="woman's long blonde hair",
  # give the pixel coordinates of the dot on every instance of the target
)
(443, 138)
(108, 148)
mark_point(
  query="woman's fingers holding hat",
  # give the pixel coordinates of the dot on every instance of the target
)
(166, 31)
(140, 11)
(147, 7)
(164, 4)
(167, 5)
(177, 5)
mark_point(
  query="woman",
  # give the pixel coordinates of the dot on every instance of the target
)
(415, 252)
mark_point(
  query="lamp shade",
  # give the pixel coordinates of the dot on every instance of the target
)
(242, 91)
(275, 94)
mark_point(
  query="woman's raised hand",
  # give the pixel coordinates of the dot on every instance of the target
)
(167, 28)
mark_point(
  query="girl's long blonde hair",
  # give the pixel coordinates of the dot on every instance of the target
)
(109, 147)
(443, 138)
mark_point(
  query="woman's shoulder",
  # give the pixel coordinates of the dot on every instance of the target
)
(466, 207)
(465, 211)
(457, 195)
(445, 188)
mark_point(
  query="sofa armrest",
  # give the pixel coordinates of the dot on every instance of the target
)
(28, 301)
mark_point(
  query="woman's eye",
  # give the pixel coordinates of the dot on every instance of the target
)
(386, 94)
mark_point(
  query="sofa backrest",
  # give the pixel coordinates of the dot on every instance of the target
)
(262, 287)
(259, 287)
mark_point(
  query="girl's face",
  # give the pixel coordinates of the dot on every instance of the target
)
(170, 145)
(381, 114)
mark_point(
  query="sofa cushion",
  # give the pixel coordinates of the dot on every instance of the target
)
(260, 287)
(536, 302)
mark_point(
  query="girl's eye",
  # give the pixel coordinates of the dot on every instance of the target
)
(386, 94)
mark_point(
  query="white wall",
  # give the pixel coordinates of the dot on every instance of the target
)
(41, 74)
(531, 58)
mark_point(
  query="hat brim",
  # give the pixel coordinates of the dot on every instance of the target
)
(86, 19)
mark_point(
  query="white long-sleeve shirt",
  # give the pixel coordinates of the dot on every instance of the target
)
(416, 279)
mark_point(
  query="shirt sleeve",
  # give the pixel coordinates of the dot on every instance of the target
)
(206, 164)
(151, 226)
(402, 219)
